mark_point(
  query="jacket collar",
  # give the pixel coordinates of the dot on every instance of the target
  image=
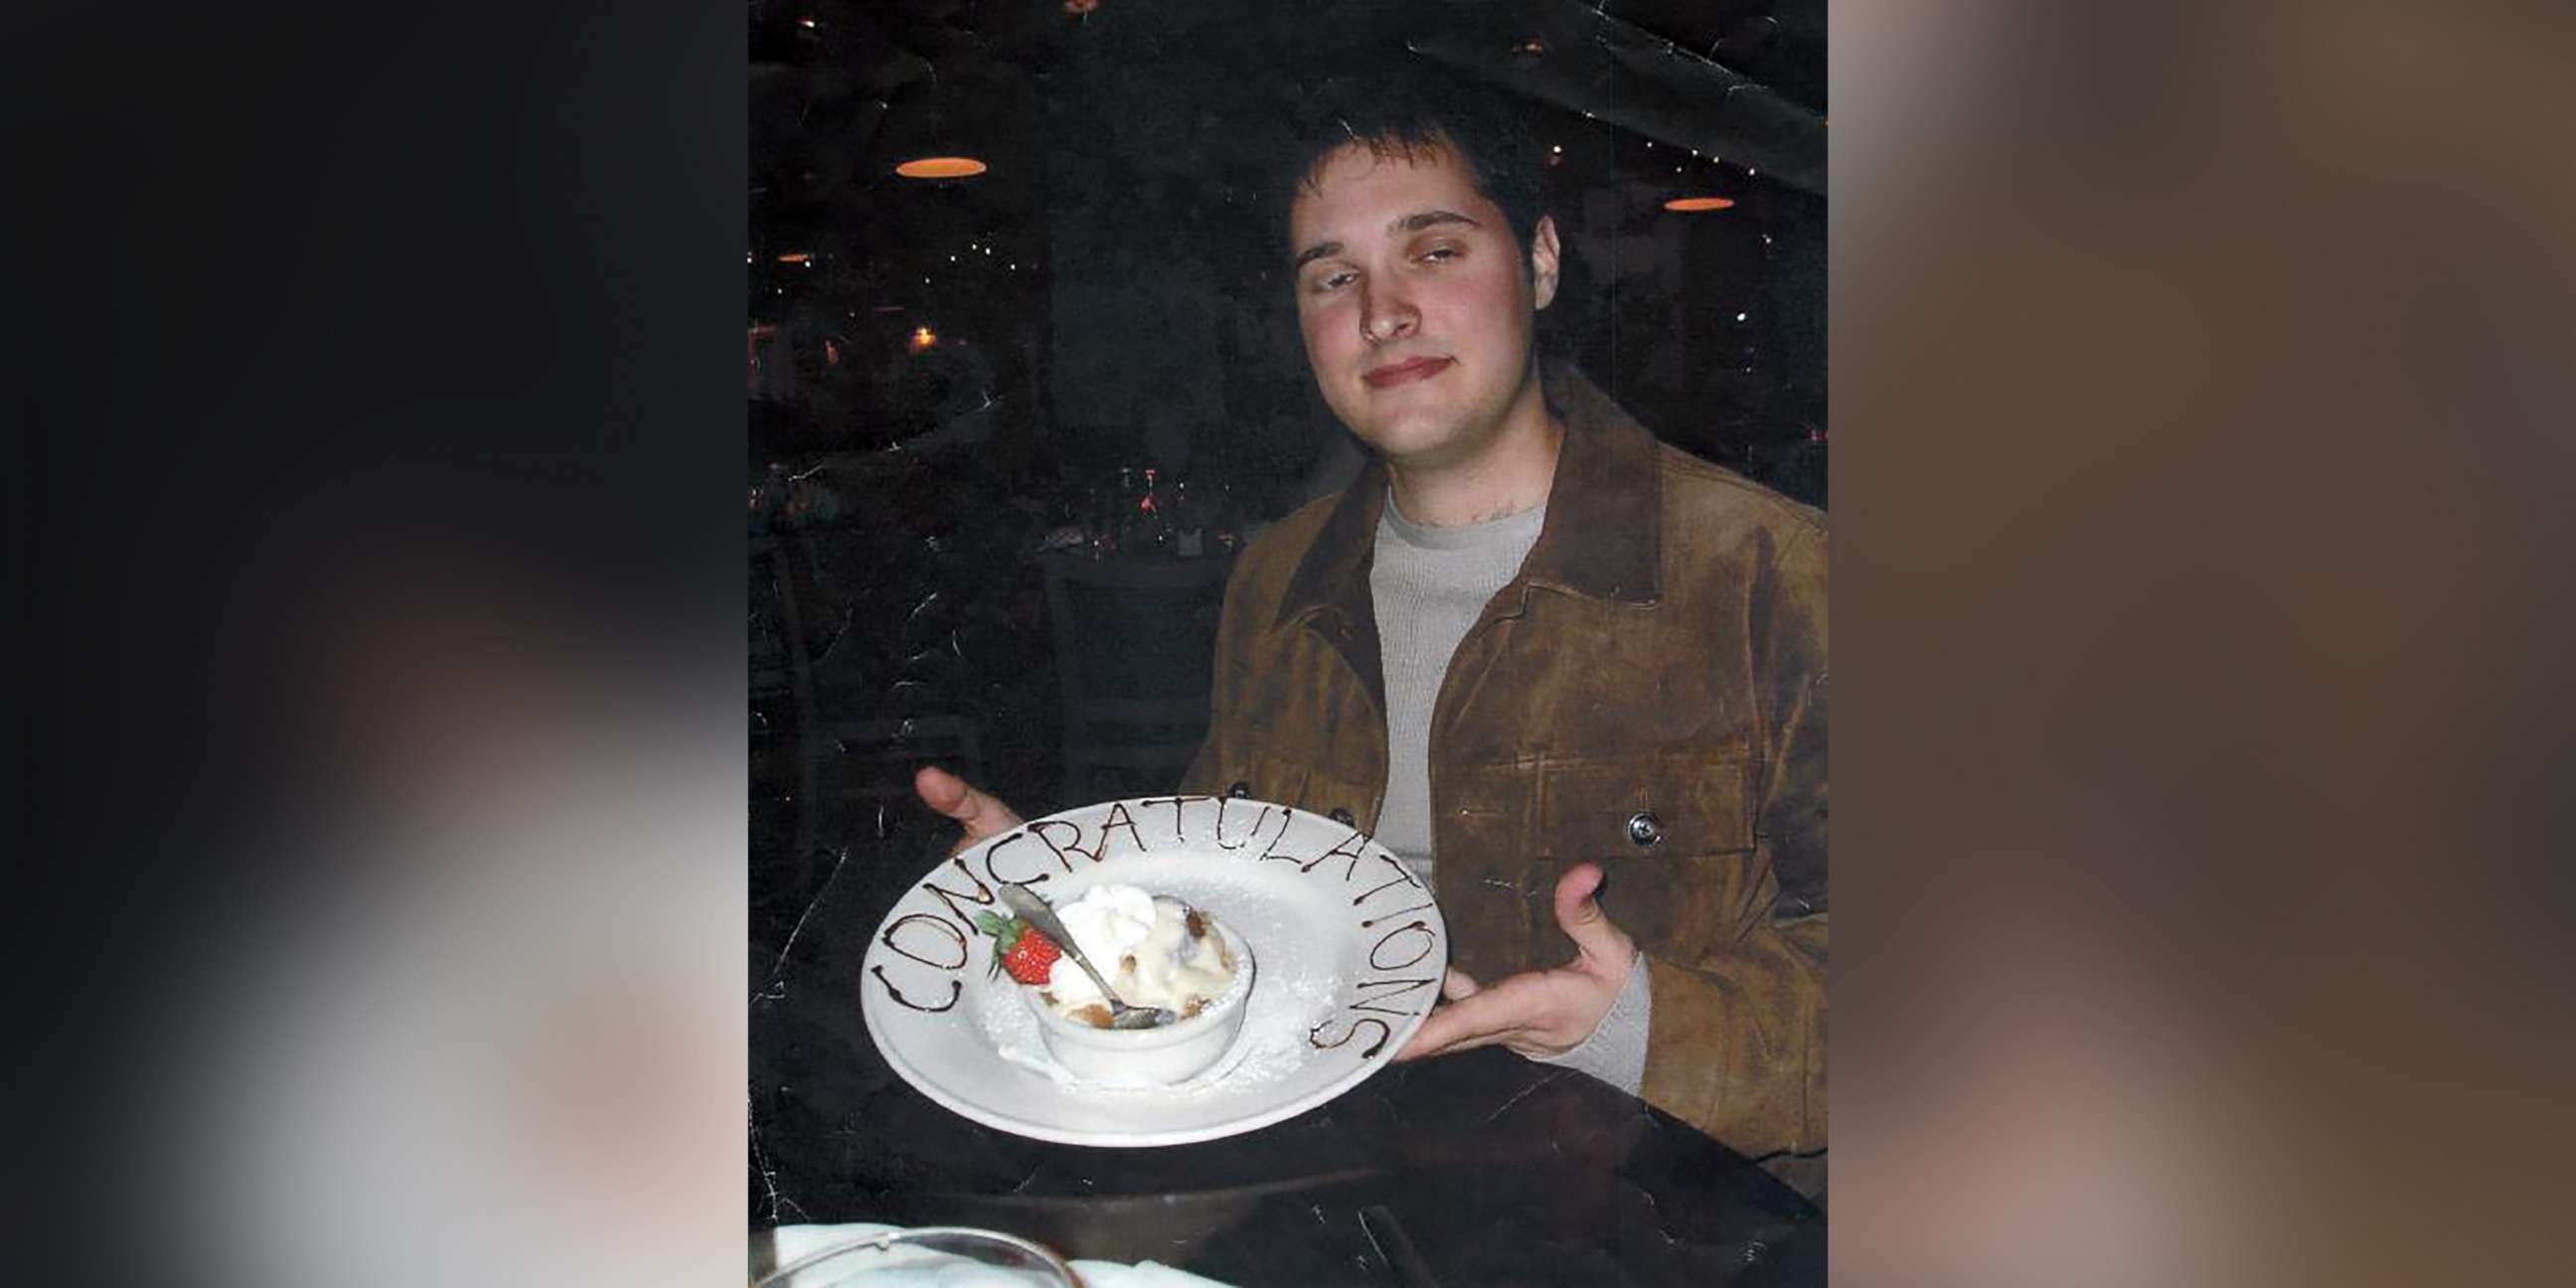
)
(1601, 540)
(1605, 512)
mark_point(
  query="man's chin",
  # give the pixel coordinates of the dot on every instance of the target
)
(1422, 451)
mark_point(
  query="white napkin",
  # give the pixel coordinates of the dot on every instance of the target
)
(905, 1267)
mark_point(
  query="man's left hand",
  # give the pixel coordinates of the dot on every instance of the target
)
(1542, 1013)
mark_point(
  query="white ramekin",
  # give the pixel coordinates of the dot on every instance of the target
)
(1156, 1057)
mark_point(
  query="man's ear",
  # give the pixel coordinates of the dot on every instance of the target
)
(1543, 252)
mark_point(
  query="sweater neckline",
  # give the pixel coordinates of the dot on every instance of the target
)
(1522, 526)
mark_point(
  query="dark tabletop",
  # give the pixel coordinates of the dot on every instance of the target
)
(1493, 1169)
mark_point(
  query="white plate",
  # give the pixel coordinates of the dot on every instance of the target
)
(1348, 951)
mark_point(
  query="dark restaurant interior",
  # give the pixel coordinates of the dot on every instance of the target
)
(1025, 374)
(996, 414)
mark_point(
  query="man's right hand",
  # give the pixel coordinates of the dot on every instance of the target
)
(983, 817)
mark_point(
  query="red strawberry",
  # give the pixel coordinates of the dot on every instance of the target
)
(1018, 948)
(1031, 957)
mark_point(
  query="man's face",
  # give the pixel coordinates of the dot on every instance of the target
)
(1415, 302)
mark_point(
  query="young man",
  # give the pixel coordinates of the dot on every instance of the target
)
(1530, 646)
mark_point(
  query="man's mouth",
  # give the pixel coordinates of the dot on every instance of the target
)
(1401, 372)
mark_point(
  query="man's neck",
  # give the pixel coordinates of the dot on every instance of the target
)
(1511, 475)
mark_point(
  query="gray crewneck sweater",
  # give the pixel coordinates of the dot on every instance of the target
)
(1428, 586)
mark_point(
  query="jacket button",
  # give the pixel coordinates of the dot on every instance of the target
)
(1240, 791)
(1342, 816)
(1645, 829)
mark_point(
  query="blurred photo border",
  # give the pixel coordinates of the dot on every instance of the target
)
(2200, 375)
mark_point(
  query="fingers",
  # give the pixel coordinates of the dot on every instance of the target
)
(1545, 1012)
(1579, 915)
(1441, 1031)
(981, 815)
(1574, 891)
(1460, 1026)
(941, 790)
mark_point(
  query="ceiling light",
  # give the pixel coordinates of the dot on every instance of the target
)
(1699, 203)
(940, 168)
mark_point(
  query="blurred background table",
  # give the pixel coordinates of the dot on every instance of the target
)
(1495, 1170)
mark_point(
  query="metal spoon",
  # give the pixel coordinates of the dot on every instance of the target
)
(1036, 912)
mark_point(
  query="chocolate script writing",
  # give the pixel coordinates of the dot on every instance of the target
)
(929, 938)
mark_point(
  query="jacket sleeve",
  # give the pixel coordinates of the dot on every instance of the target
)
(1737, 1046)
(1225, 685)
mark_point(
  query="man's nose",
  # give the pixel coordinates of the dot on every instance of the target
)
(1385, 315)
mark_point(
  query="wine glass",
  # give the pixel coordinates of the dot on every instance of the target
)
(958, 1255)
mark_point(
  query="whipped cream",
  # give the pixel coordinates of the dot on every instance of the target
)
(1142, 942)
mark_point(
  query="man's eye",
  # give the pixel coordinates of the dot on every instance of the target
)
(1333, 281)
(1441, 253)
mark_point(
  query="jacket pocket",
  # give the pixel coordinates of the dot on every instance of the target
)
(1673, 833)
(1649, 806)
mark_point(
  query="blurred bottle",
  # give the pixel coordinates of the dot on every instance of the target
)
(1225, 522)
(1188, 521)
(1109, 521)
(1148, 531)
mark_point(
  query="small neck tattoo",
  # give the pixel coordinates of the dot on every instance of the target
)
(1502, 510)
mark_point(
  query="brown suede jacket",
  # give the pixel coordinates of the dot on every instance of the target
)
(1648, 693)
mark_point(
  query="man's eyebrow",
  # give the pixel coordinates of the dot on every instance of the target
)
(1315, 252)
(1415, 223)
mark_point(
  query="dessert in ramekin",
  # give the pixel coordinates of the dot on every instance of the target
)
(1156, 951)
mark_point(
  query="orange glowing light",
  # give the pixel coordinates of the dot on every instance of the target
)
(940, 168)
(796, 257)
(922, 338)
(1699, 203)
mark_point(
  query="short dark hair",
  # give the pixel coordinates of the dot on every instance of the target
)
(1401, 109)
